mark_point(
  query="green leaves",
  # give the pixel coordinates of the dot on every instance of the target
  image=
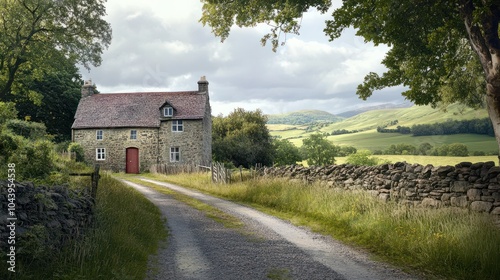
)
(36, 34)
(241, 138)
(285, 153)
(318, 150)
(283, 16)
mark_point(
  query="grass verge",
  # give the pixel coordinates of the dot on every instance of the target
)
(128, 230)
(442, 243)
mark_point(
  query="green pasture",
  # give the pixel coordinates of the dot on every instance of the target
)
(372, 140)
(278, 127)
(406, 117)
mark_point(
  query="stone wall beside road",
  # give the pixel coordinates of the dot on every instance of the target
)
(466, 185)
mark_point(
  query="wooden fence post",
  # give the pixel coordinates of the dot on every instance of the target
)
(95, 180)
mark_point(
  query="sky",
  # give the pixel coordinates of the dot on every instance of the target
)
(160, 45)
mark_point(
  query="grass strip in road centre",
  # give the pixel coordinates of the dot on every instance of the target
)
(211, 212)
(442, 243)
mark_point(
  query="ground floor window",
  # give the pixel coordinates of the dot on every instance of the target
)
(175, 154)
(100, 153)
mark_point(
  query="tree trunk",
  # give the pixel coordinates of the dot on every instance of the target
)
(484, 40)
(493, 106)
(493, 94)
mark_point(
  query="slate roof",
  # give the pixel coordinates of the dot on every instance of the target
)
(140, 109)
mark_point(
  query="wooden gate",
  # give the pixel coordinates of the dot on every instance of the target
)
(132, 159)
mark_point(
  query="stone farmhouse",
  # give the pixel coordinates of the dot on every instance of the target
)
(132, 131)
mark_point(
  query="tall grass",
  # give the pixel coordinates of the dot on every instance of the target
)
(447, 243)
(128, 229)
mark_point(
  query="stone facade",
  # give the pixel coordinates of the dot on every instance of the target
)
(466, 185)
(153, 143)
(115, 142)
(117, 115)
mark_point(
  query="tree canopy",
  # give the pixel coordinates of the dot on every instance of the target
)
(242, 138)
(443, 51)
(36, 34)
(318, 150)
(285, 152)
(60, 92)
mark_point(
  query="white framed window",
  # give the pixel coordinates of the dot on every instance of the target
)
(100, 154)
(99, 135)
(177, 126)
(168, 111)
(133, 134)
(175, 154)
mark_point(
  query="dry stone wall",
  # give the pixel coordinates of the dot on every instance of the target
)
(61, 213)
(466, 185)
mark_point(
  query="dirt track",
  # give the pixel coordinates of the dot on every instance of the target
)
(200, 248)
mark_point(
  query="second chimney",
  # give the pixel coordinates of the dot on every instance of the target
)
(88, 89)
(203, 85)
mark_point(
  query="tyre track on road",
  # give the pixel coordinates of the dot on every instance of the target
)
(204, 249)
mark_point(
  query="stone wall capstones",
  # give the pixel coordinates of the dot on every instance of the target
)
(466, 185)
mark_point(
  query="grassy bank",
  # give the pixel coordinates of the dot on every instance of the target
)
(128, 229)
(445, 243)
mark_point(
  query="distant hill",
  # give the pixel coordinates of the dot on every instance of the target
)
(303, 117)
(405, 117)
(361, 129)
(353, 113)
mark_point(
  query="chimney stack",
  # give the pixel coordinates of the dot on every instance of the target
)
(88, 89)
(203, 85)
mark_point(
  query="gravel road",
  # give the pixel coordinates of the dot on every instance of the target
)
(200, 248)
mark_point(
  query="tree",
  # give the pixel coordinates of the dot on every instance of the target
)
(318, 150)
(401, 149)
(343, 151)
(60, 92)
(458, 150)
(34, 34)
(362, 157)
(285, 153)
(241, 138)
(443, 51)
(424, 148)
(7, 112)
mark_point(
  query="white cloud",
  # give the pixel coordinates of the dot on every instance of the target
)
(160, 45)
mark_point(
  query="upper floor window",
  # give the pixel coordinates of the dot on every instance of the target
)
(133, 134)
(177, 125)
(168, 111)
(99, 135)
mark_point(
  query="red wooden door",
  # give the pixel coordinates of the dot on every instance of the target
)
(132, 160)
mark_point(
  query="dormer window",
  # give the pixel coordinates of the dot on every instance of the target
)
(168, 111)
